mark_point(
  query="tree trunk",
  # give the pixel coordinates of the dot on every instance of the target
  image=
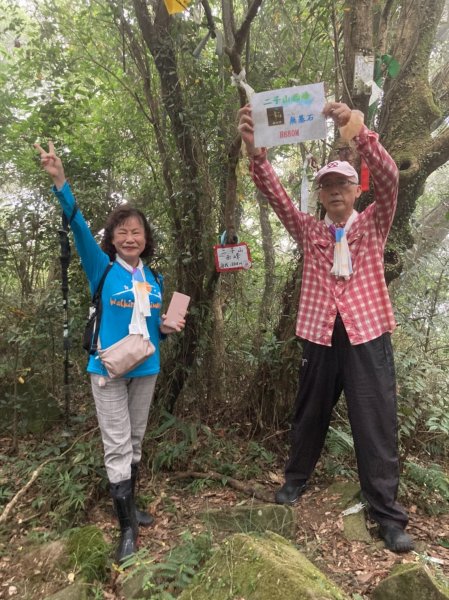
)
(358, 38)
(216, 358)
(408, 99)
(269, 263)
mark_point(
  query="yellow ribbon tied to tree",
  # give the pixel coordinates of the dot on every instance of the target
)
(176, 6)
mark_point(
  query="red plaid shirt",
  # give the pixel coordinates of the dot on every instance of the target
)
(362, 300)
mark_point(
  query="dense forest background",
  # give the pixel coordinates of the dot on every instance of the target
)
(142, 108)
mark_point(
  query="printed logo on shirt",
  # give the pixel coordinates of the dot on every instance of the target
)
(130, 303)
(155, 297)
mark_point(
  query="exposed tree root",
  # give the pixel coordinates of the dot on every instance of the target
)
(249, 490)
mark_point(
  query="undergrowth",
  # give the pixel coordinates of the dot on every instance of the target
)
(429, 485)
(182, 446)
(167, 578)
(70, 475)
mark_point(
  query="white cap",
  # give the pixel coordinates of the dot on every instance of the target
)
(342, 167)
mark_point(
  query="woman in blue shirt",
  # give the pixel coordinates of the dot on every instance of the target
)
(122, 403)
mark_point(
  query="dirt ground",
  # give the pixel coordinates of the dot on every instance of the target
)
(355, 566)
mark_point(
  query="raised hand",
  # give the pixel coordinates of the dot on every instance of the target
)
(338, 111)
(52, 164)
(246, 130)
(349, 122)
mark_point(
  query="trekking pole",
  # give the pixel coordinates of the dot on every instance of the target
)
(65, 261)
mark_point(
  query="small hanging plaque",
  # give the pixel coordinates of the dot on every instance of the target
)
(232, 257)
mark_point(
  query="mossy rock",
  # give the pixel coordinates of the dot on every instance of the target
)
(45, 557)
(412, 582)
(77, 591)
(260, 567)
(42, 569)
(131, 585)
(253, 517)
(355, 529)
(354, 524)
(88, 552)
(349, 492)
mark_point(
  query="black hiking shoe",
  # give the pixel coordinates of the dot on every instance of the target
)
(395, 538)
(290, 492)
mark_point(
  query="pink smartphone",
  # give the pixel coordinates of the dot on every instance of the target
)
(177, 309)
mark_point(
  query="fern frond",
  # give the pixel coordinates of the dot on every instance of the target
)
(339, 442)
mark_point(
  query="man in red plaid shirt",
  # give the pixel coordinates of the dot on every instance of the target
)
(346, 319)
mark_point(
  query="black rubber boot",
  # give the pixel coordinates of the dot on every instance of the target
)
(143, 518)
(290, 492)
(125, 510)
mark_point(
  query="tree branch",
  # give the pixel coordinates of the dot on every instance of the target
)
(383, 27)
(438, 152)
(209, 15)
(240, 486)
(242, 33)
(440, 87)
(228, 22)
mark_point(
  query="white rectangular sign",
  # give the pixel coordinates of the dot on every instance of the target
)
(232, 257)
(289, 115)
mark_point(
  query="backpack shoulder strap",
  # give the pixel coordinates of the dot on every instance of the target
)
(159, 279)
(96, 301)
(97, 294)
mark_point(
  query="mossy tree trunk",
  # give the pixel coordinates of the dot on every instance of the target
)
(408, 116)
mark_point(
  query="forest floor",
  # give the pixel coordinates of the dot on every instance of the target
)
(355, 566)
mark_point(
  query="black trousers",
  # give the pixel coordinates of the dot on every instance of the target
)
(366, 374)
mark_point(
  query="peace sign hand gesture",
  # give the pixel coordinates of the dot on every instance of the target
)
(52, 164)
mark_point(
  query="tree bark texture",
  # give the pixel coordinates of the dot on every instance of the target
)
(269, 262)
(358, 38)
(409, 99)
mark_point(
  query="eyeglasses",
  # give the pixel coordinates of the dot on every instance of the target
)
(336, 183)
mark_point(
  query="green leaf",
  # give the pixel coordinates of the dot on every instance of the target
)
(394, 68)
(392, 65)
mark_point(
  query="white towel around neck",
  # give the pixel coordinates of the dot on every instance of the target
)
(342, 266)
(141, 308)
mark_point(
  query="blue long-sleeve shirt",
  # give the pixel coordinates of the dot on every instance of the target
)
(117, 295)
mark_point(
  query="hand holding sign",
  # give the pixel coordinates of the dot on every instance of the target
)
(349, 122)
(246, 129)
